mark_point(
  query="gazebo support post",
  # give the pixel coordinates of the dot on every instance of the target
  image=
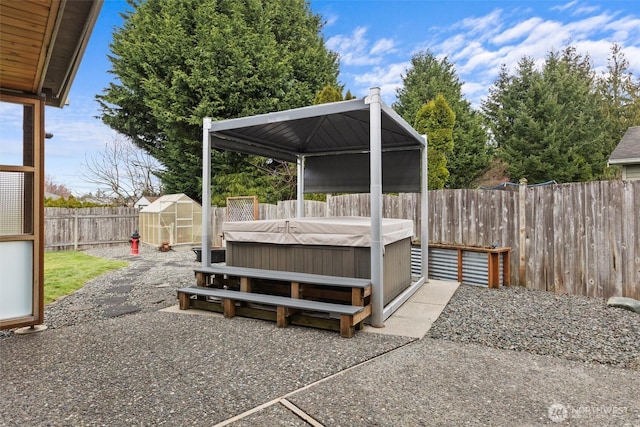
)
(424, 214)
(375, 149)
(300, 188)
(206, 192)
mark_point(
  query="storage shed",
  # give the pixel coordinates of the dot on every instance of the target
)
(175, 219)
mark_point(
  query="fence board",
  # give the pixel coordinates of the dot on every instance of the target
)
(557, 240)
(615, 229)
(591, 215)
(602, 247)
(577, 247)
(633, 279)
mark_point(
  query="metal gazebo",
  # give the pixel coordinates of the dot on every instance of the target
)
(338, 147)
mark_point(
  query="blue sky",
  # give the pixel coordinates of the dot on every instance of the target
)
(375, 40)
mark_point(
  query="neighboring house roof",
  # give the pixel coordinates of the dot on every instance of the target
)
(145, 201)
(42, 45)
(627, 151)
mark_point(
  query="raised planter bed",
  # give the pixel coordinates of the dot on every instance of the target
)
(484, 266)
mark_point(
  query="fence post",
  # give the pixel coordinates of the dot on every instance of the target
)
(327, 205)
(75, 230)
(522, 223)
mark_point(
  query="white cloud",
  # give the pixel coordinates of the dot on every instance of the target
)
(11, 121)
(76, 133)
(588, 26)
(450, 44)
(565, 6)
(483, 26)
(471, 89)
(625, 28)
(478, 59)
(382, 46)
(547, 33)
(517, 32)
(388, 79)
(354, 48)
(584, 10)
(632, 53)
(330, 19)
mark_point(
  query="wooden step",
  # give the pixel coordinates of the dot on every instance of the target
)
(350, 315)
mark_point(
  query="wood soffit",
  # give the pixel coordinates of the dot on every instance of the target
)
(42, 43)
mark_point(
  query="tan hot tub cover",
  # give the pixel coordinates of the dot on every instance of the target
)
(332, 231)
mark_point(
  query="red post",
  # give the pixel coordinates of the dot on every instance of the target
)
(135, 241)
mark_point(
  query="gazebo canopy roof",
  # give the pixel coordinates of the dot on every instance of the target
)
(339, 127)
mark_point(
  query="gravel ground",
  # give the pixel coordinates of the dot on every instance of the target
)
(148, 284)
(515, 318)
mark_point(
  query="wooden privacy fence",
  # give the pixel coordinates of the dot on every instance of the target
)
(583, 239)
(578, 238)
(66, 229)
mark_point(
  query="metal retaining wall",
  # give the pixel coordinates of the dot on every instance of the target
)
(443, 265)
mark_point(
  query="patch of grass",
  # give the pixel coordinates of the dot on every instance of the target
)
(64, 272)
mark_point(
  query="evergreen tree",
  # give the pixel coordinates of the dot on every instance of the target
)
(328, 94)
(177, 61)
(426, 78)
(437, 120)
(620, 97)
(349, 95)
(547, 124)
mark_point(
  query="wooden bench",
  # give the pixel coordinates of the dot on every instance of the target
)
(350, 315)
(360, 288)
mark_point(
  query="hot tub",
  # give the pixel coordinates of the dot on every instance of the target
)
(336, 246)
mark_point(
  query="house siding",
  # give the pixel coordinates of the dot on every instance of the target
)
(631, 172)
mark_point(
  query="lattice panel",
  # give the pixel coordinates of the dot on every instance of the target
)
(12, 203)
(242, 208)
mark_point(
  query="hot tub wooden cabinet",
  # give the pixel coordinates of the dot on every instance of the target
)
(335, 246)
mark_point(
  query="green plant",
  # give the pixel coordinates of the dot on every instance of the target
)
(70, 202)
(65, 272)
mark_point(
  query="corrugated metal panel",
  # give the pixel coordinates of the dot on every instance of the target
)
(443, 264)
(416, 261)
(475, 270)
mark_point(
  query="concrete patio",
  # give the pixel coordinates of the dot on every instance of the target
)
(167, 368)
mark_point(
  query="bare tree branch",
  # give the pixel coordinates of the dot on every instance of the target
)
(50, 186)
(122, 172)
